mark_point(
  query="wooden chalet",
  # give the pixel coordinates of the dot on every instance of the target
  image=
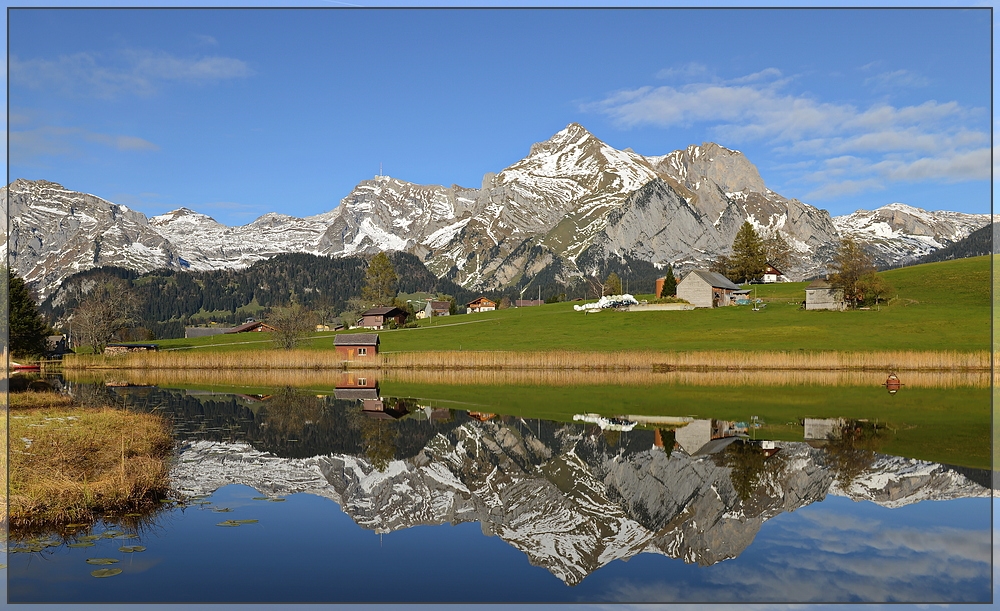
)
(772, 274)
(380, 317)
(252, 326)
(705, 289)
(481, 304)
(356, 346)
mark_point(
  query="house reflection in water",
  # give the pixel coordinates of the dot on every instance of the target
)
(821, 428)
(356, 385)
(703, 437)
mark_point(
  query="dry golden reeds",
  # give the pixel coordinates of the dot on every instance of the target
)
(326, 380)
(70, 464)
(604, 361)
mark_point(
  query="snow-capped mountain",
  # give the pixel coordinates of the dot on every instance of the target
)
(55, 232)
(572, 203)
(572, 505)
(898, 234)
(207, 244)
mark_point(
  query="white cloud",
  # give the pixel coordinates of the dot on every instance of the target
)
(942, 141)
(897, 79)
(126, 72)
(27, 145)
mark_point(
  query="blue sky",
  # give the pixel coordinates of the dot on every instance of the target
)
(235, 113)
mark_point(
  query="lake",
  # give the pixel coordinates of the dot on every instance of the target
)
(542, 487)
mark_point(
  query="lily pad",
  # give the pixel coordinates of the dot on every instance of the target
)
(228, 523)
(106, 572)
(102, 561)
(261, 498)
(75, 525)
(128, 549)
(277, 500)
(89, 538)
(245, 521)
(130, 536)
(111, 534)
(222, 510)
(82, 544)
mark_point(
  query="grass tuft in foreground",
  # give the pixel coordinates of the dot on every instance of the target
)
(70, 464)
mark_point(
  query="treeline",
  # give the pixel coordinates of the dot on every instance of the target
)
(977, 243)
(169, 300)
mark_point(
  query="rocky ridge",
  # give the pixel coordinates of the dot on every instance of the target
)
(571, 204)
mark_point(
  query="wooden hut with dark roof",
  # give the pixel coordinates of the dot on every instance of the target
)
(380, 317)
(356, 346)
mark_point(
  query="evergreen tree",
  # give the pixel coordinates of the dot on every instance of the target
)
(613, 284)
(380, 281)
(749, 259)
(27, 328)
(669, 284)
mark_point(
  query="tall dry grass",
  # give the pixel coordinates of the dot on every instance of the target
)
(71, 464)
(325, 380)
(609, 361)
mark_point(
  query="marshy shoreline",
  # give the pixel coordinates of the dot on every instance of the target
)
(881, 361)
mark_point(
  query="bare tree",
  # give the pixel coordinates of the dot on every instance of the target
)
(107, 310)
(777, 250)
(851, 262)
(291, 324)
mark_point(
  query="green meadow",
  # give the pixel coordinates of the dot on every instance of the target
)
(933, 307)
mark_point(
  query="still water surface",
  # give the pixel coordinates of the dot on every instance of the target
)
(408, 490)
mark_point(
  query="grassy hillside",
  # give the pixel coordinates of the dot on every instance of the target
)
(936, 306)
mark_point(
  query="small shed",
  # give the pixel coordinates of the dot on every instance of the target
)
(112, 349)
(481, 304)
(705, 289)
(56, 345)
(252, 326)
(380, 317)
(821, 295)
(527, 303)
(437, 308)
(356, 346)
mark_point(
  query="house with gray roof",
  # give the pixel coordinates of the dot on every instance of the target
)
(821, 295)
(705, 289)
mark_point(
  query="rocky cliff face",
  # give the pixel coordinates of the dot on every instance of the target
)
(55, 232)
(573, 504)
(570, 204)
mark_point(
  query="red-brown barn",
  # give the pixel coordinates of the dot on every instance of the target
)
(356, 346)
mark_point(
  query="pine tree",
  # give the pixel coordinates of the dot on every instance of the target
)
(669, 284)
(749, 259)
(380, 281)
(27, 328)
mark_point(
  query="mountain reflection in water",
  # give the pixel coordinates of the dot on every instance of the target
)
(570, 496)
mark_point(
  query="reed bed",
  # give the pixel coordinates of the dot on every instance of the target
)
(603, 361)
(70, 464)
(326, 380)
